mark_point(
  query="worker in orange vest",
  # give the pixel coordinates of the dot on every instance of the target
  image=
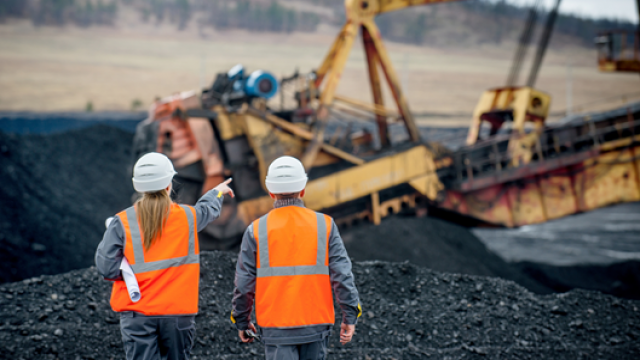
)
(159, 239)
(289, 261)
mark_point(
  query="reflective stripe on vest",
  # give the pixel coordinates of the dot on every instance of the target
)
(265, 270)
(140, 265)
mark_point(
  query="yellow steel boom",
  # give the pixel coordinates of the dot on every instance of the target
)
(360, 15)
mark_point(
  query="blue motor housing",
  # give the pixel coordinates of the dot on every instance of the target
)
(234, 88)
(261, 84)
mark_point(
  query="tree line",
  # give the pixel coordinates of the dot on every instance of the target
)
(221, 14)
(257, 16)
(466, 22)
(483, 21)
(61, 12)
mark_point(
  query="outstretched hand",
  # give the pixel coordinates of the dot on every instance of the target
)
(346, 333)
(224, 188)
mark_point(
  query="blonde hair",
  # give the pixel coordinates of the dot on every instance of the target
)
(153, 211)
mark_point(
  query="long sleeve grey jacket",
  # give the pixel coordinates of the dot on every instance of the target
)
(340, 274)
(111, 249)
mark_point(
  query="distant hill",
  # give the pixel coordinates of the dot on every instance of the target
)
(457, 24)
(480, 22)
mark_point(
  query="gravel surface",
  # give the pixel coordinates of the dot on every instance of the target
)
(409, 313)
(56, 192)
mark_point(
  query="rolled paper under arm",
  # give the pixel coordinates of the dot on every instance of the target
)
(130, 280)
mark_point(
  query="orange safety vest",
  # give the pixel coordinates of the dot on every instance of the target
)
(168, 273)
(293, 288)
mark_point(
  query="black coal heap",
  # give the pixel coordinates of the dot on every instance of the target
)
(409, 313)
(56, 192)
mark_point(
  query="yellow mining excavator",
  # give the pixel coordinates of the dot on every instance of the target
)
(229, 130)
(531, 174)
(364, 174)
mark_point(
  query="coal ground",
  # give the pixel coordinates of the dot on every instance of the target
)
(433, 243)
(56, 191)
(619, 279)
(410, 312)
(27, 122)
(603, 236)
(447, 247)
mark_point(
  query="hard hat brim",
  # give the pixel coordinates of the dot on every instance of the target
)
(286, 187)
(153, 185)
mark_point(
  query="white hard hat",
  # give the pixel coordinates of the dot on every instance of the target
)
(286, 175)
(152, 172)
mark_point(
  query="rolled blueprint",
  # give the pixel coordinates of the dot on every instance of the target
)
(127, 274)
(130, 280)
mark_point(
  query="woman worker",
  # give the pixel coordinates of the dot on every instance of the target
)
(160, 240)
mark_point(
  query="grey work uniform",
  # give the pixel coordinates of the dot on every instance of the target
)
(153, 337)
(304, 343)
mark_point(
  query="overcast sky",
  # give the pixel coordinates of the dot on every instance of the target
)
(621, 9)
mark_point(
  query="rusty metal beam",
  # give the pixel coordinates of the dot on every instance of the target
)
(335, 61)
(511, 174)
(392, 80)
(307, 135)
(378, 110)
(393, 5)
(374, 79)
(325, 67)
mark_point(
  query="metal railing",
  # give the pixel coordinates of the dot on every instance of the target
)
(495, 155)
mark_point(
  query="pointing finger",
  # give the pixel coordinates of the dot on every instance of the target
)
(226, 182)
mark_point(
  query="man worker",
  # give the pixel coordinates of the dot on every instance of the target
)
(289, 261)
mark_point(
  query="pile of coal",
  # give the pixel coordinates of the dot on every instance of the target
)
(28, 122)
(409, 313)
(619, 279)
(436, 244)
(444, 246)
(57, 190)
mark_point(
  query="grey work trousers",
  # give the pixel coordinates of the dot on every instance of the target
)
(311, 351)
(157, 337)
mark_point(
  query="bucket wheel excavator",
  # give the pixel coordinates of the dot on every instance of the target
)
(521, 172)
(524, 171)
(230, 131)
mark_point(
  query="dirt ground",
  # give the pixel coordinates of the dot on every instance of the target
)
(52, 69)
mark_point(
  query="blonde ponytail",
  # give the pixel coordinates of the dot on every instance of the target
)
(153, 211)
